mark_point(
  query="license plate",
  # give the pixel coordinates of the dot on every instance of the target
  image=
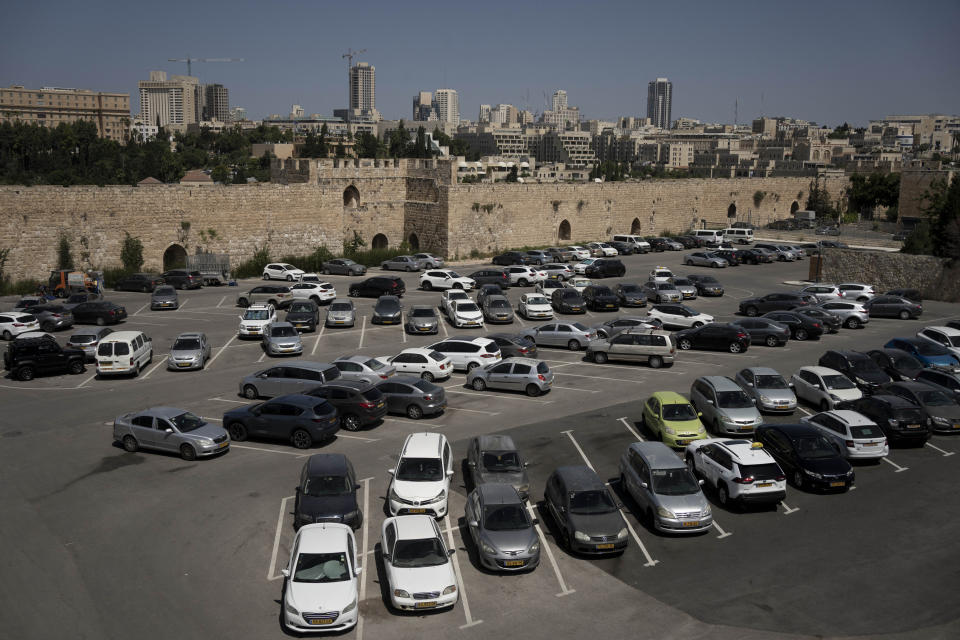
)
(746, 428)
(425, 605)
(869, 444)
(319, 621)
(183, 364)
(416, 510)
(782, 405)
(517, 563)
(956, 426)
(692, 523)
(380, 406)
(338, 322)
(575, 308)
(388, 322)
(610, 306)
(913, 426)
(765, 484)
(423, 329)
(682, 443)
(838, 484)
(222, 445)
(608, 545)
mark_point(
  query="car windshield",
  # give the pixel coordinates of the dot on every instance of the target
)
(83, 338)
(733, 400)
(935, 398)
(388, 305)
(814, 447)
(838, 382)
(425, 552)
(187, 422)
(301, 307)
(186, 344)
(907, 363)
(423, 313)
(340, 306)
(321, 567)
(770, 382)
(682, 282)
(454, 274)
(508, 461)
(436, 355)
(347, 263)
(864, 365)
(662, 274)
(538, 299)
(674, 482)
(929, 349)
(257, 314)
(505, 517)
(708, 280)
(426, 387)
(688, 309)
(630, 288)
(374, 364)
(579, 327)
(679, 412)
(164, 291)
(591, 501)
(768, 471)
(467, 306)
(319, 486)
(420, 470)
(499, 304)
(282, 332)
(664, 286)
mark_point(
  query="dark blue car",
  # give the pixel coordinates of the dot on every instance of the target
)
(930, 354)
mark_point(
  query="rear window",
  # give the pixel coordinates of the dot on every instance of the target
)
(866, 432)
(82, 338)
(340, 306)
(492, 348)
(425, 386)
(423, 313)
(27, 318)
(324, 408)
(543, 368)
(372, 395)
(105, 349)
(113, 348)
(436, 355)
(769, 471)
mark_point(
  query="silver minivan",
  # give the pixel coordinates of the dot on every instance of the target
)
(726, 408)
(297, 377)
(640, 344)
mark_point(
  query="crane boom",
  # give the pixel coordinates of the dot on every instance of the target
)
(190, 60)
(349, 55)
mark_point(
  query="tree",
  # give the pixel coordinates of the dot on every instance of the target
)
(919, 241)
(322, 142)
(943, 210)
(131, 253)
(64, 256)
(399, 138)
(220, 174)
(843, 131)
(865, 193)
(368, 145)
(819, 201)
(511, 175)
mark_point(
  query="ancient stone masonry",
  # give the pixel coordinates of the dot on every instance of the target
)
(935, 278)
(322, 202)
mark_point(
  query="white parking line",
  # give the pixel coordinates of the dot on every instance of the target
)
(363, 330)
(229, 400)
(809, 413)
(456, 566)
(286, 453)
(366, 569)
(404, 336)
(564, 590)
(581, 375)
(85, 382)
(185, 302)
(222, 349)
(499, 397)
(443, 325)
(630, 428)
(154, 368)
(489, 413)
(936, 448)
(348, 436)
(317, 341)
(723, 534)
(894, 465)
(137, 312)
(262, 356)
(221, 301)
(276, 540)
(575, 389)
(786, 509)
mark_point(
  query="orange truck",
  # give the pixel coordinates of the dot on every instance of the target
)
(64, 282)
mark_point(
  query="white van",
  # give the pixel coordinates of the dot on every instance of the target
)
(124, 352)
(638, 243)
(710, 237)
(740, 236)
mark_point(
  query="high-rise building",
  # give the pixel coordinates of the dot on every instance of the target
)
(216, 102)
(237, 114)
(363, 88)
(447, 106)
(296, 111)
(559, 100)
(423, 107)
(50, 106)
(484, 113)
(659, 97)
(169, 102)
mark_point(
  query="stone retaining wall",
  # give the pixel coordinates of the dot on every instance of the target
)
(932, 276)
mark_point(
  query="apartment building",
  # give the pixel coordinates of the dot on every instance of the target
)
(172, 102)
(50, 106)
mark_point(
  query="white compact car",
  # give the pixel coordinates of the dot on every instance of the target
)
(535, 306)
(447, 298)
(255, 320)
(419, 573)
(319, 292)
(467, 353)
(661, 274)
(445, 279)
(580, 253)
(857, 436)
(14, 323)
(824, 387)
(579, 283)
(282, 271)
(465, 313)
(321, 579)
(601, 249)
(946, 337)
(428, 364)
(421, 479)
(678, 315)
(740, 471)
(581, 267)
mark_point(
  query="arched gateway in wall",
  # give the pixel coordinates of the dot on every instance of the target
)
(563, 233)
(175, 257)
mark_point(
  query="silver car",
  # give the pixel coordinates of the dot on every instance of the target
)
(189, 351)
(611, 328)
(422, 319)
(660, 292)
(299, 376)
(501, 529)
(513, 374)
(853, 315)
(428, 261)
(724, 405)
(685, 287)
(497, 309)
(704, 259)
(164, 297)
(282, 339)
(769, 389)
(387, 310)
(495, 459)
(341, 313)
(559, 271)
(170, 429)
(364, 368)
(823, 292)
(88, 339)
(572, 335)
(401, 263)
(857, 291)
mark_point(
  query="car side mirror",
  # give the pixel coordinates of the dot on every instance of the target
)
(391, 471)
(473, 523)
(791, 385)
(356, 487)
(450, 552)
(526, 464)
(749, 384)
(644, 485)
(471, 463)
(358, 571)
(240, 316)
(818, 386)
(709, 401)
(753, 400)
(449, 474)
(700, 482)
(285, 572)
(699, 414)
(168, 430)
(262, 375)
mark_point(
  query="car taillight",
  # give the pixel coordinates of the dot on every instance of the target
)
(112, 312)
(367, 405)
(588, 336)
(849, 443)
(780, 478)
(428, 397)
(741, 335)
(442, 367)
(394, 285)
(383, 376)
(131, 362)
(540, 376)
(747, 480)
(19, 324)
(523, 350)
(487, 355)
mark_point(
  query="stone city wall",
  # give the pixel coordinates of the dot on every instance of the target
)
(933, 277)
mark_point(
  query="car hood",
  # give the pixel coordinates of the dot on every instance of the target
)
(163, 298)
(606, 298)
(299, 315)
(511, 540)
(472, 315)
(747, 413)
(340, 315)
(873, 377)
(328, 505)
(597, 524)
(846, 394)
(685, 503)
(282, 339)
(633, 295)
(206, 431)
(945, 360)
(418, 491)
(516, 479)
(423, 322)
(831, 466)
(685, 426)
(184, 353)
(541, 307)
(321, 597)
(950, 411)
(423, 579)
(686, 288)
(386, 312)
(778, 394)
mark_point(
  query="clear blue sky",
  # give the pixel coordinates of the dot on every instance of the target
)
(824, 61)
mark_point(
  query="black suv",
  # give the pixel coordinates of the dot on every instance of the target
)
(775, 302)
(722, 337)
(26, 357)
(657, 244)
(359, 403)
(898, 364)
(378, 286)
(99, 312)
(605, 268)
(802, 327)
(299, 419)
(513, 257)
(900, 419)
(622, 248)
(182, 279)
(600, 298)
(327, 492)
(145, 282)
(857, 366)
(491, 276)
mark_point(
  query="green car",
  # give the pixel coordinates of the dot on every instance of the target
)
(672, 418)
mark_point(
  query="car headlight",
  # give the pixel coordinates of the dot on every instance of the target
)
(206, 442)
(670, 430)
(400, 593)
(350, 517)
(524, 488)
(834, 397)
(451, 589)
(535, 547)
(813, 474)
(764, 399)
(728, 420)
(665, 513)
(893, 422)
(580, 536)
(436, 498)
(289, 608)
(350, 607)
(394, 496)
(487, 548)
(707, 511)
(940, 420)
(622, 534)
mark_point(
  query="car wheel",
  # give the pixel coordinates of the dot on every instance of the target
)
(188, 453)
(427, 285)
(655, 362)
(25, 373)
(101, 322)
(243, 302)
(354, 293)
(426, 375)
(350, 422)
(852, 323)
(472, 366)
(573, 345)
(697, 324)
(689, 263)
(301, 439)
(735, 347)
(76, 367)
(599, 357)
(410, 268)
(250, 392)
(237, 431)
(904, 315)
(130, 444)
(715, 265)
(478, 384)
(414, 412)
(685, 344)
(772, 341)
(47, 326)
(522, 282)
(266, 276)
(801, 335)
(751, 312)
(533, 390)
(723, 495)
(457, 285)
(798, 479)
(659, 300)
(7, 336)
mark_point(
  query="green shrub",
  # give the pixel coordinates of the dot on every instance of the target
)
(253, 267)
(131, 254)
(112, 275)
(18, 287)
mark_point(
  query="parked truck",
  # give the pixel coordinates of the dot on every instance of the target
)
(214, 268)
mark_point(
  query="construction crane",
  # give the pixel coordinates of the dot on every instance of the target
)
(349, 55)
(190, 60)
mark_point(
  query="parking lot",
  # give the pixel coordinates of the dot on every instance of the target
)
(107, 544)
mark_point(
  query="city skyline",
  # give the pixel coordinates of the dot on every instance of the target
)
(730, 54)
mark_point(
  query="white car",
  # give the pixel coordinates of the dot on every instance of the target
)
(822, 292)
(601, 250)
(417, 564)
(581, 267)
(946, 337)
(321, 580)
(255, 320)
(661, 274)
(13, 323)
(428, 364)
(856, 435)
(319, 292)
(857, 291)
(535, 306)
(310, 277)
(739, 470)
(580, 253)
(579, 283)
(445, 279)
(282, 271)
(467, 353)
(448, 297)
(678, 315)
(421, 479)
(521, 276)
(465, 313)
(365, 368)
(823, 387)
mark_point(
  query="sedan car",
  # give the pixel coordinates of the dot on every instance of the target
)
(327, 492)
(282, 339)
(303, 315)
(497, 310)
(764, 331)
(579, 284)
(581, 267)
(341, 313)
(422, 319)
(659, 292)
(857, 366)
(495, 460)
(364, 368)
(512, 374)
(164, 297)
(802, 327)
(678, 316)
(586, 516)
(189, 351)
(715, 336)
(445, 279)
(806, 456)
(830, 321)
(401, 263)
(428, 364)
(465, 313)
(898, 364)
(774, 302)
(893, 307)
(670, 418)
(428, 260)
(601, 250)
(535, 306)
(772, 393)
(706, 285)
(704, 259)
(387, 310)
(501, 529)
(514, 345)
(299, 419)
(413, 397)
(630, 295)
(856, 435)
(572, 335)
(172, 430)
(539, 257)
(343, 267)
(416, 563)
(901, 420)
(567, 300)
(99, 312)
(940, 408)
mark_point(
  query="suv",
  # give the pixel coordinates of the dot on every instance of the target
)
(498, 277)
(255, 320)
(327, 492)
(468, 353)
(900, 419)
(378, 286)
(605, 268)
(654, 346)
(145, 282)
(421, 479)
(857, 366)
(775, 302)
(512, 257)
(26, 357)
(183, 279)
(524, 276)
(296, 418)
(359, 403)
(740, 471)
(724, 405)
(276, 295)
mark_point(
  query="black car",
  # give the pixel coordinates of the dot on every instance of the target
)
(359, 403)
(52, 316)
(901, 420)
(99, 312)
(939, 406)
(623, 248)
(387, 310)
(299, 419)
(498, 277)
(28, 357)
(657, 244)
(182, 279)
(327, 492)
(77, 298)
(942, 379)
(378, 286)
(600, 298)
(689, 242)
(512, 257)
(605, 268)
(630, 295)
(857, 366)
(706, 285)
(752, 256)
(913, 295)
(412, 396)
(145, 282)
(514, 345)
(303, 314)
(343, 267)
(587, 518)
(802, 327)
(487, 290)
(567, 301)
(764, 331)
(831, 322)
(715, 336)
(806, 456)
(775, 302)
(893, 307)
(897, 363)
(732, 256)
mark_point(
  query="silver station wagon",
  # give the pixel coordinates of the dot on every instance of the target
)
(170, 429)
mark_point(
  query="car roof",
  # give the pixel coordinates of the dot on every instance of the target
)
(357, 385)
(894, 401)
(164, 412)
(533, 362)
(950, 331)
(579, 478)
(191, 334)
(423, 445)
(908, 339)
(854, 418)
(342, 301)
(721, 383)
(744, 451)
(793, 430)
(327, 463)
(821, 371)
(357, 358)
(499, 493)
(658, 455)
(259, 306)
(120, 336)
(298, 399)
(669, 397)
(420, 350)
(323, 537)
(414, 527)
(763, 371)
(281, 324)
(496, 442)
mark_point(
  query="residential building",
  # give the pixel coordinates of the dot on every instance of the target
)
(484, 116)
(363, 88)
(170, 102)
(216, 102)
(423, 107)
(571, 148)
(504, 115)
(237, 114)
(659, 98)
(491, 140)
(50, 106)
(680, 155)
(447, 105)
(559, 100)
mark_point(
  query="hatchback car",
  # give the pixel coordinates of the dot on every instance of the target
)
(538, 257)
(678, 316)
(304, 315)
(429, 261)
(705, 259)
(327, 492)
(497, 310)
(614, 326)
(422, 319)
(14, 323)
(413, 397)
(706, 285)
(343, 267)
(387, 310)
(514, 345)
(857, 436)
(898, 364)
(572, 335)
(282, 339)
(830, 321)
(667, 495)
(501, 529)
(802, 327)
(714, 336)
(660, 292)
(341, 313)
(301, 420)
(364, 368)
(87, 341)
(172, 430)
(929, 353)
(685, 286)
(764, 331)
(421, 480)
(902, 421)
(774, 302)
(556, 271)
(495, 459)
(282, 271)
(586, 516)
(600, 298)
(513, 374)
(465, 353)
(164, 297)
(808, 458)
(359, 404)
(824, 388)
(567, 300)
(548, 286)
(672, 419)
(939, 407)
(510, 258)
(740, 471)
(54, 317)
(723, 405)
(416, 562)
(189, 351)
(769, 389)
